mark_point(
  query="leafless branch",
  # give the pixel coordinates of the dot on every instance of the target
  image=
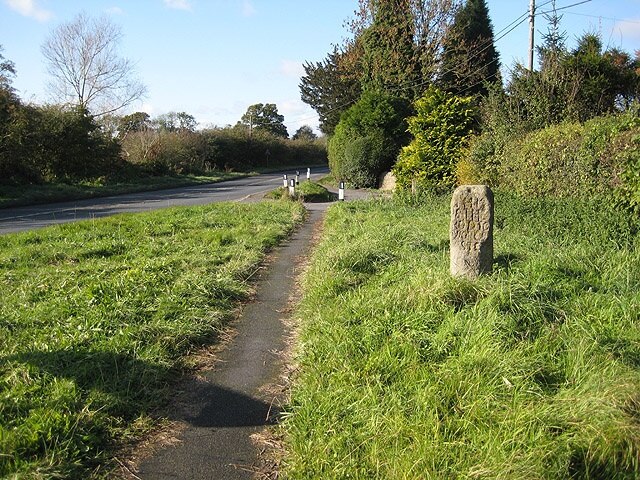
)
(85, 67)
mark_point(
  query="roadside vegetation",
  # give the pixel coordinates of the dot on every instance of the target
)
(402, 371)
(73, 149)
(531, 372)
(305, 192)
(99, 319)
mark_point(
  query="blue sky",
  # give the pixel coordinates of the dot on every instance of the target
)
(214, 58)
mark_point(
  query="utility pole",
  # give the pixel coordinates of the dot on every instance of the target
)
(532, 19)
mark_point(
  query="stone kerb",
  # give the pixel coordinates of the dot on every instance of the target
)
(471, 231)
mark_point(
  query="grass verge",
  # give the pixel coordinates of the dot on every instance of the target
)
(531, 372)
(96, 319)
(17, 195)
(306, 192)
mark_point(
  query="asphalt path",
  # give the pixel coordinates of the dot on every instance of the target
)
(28, 218)
(241, 395)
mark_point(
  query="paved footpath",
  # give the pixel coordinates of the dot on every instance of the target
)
(230, 404)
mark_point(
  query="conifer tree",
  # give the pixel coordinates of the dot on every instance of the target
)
(389, 52)
(470, 59)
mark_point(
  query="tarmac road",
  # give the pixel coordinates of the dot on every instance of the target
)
(28, 218)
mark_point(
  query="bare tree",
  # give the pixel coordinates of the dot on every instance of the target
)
(87, 71)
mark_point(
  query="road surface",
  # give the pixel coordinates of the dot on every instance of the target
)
(27, 218)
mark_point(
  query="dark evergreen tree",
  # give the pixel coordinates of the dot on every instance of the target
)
(395, 49)
(330, 88)
(470, 60)
(389, 54)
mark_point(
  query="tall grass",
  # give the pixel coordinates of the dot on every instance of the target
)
(96, 318)
(531, 372)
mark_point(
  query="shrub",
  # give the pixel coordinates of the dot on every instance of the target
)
(53, 143)
(441, 129)
(184, 151)
(573, 159)
(367, 139)
(359, 160)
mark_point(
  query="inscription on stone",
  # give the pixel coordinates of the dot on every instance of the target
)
(471, 231)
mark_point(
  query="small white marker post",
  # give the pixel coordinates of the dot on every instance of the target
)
(308, 174)
(284, 180)
(341, 192)
(297, 178)
(292, 188)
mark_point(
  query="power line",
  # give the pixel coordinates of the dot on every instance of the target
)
(500, 35)
(565, 7)
(624, 20)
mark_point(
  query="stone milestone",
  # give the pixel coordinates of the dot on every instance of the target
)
(471, 231)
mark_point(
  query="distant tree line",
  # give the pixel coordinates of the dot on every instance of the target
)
(83, 136)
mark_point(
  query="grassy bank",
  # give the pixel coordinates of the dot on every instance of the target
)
(17, 195)
(96, 319)
(311, 192)
(531, 372)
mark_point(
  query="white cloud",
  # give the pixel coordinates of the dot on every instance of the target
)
(290, 68)
(148, 108)
(297, 114)
(29, 8)
(628, 30)
(248, 10)
(114, 11)
(178, 4)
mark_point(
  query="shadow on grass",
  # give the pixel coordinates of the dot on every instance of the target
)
(505, 262)
(136, 386)
(328, 197)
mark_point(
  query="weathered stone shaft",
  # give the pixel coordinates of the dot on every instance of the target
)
(471, 231)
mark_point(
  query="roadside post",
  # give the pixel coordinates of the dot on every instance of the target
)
(341, 192)
(471, 231)
(292, 188)
(308, 174)
(284, 180)
(297, 177)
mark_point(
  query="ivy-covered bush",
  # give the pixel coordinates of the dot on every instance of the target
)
(367, 139)
(574, 159)
(441, 129)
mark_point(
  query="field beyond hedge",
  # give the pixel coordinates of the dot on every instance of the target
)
(531, 372)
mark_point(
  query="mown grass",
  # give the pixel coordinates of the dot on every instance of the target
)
(531, 372)
(96, 319)
(17, 195)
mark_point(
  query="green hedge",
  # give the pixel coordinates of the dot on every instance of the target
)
(219, 149)
(440, 129)
(600, 158)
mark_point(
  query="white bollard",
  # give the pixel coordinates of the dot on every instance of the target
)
(284, 180)
(292, 188)
(341, 192)
(308, 174)
(297, 178)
